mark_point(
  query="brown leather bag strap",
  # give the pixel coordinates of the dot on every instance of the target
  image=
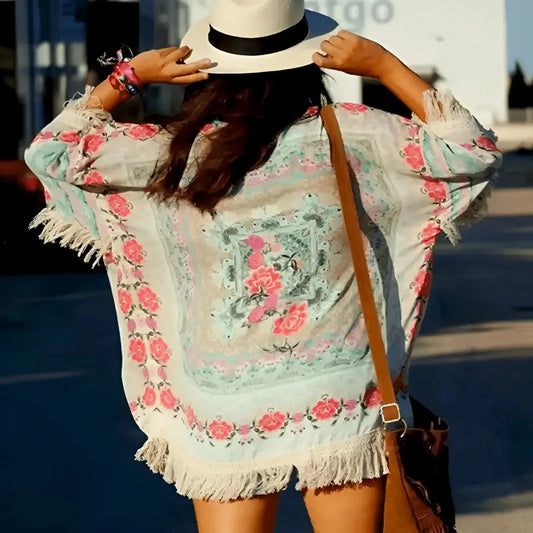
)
(390, 411)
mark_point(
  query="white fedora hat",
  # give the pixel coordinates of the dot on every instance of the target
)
(246, 36)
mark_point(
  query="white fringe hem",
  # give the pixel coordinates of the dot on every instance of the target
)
(350, 461)
(70, 235)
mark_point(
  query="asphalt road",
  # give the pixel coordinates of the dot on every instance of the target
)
(67, 442)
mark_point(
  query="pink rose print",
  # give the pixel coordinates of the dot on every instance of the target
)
(272, 422)
(133, 251)
(293, 321)
(256, 315)
(69, 137)
(276, 247)
(47, 196)
(137, 273)
(159, 349)
(133, 406)
(138, 350)
(94, 178)
(131, 326)
(141, 132)
(422, 283)
(189, 415)
(92, 143)
(124, 300)
(271, 302)
(265, 278)
(148, 299)
(119, 205)
(162, 373)
(145, 373)
(350, 405)
(354, 108)
(256, 260)
(486, 144)
(244, 430)
(428, 256)
(256, 243)
(435, 190)
(44, 136)
(429, 234)
(109, 258)
(167, 399)
(220, 430)
(298, 418)
(324, 410)
(372, 397)
(413, 156)
(149, 397)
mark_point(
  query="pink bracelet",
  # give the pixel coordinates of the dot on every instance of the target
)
(123, 78)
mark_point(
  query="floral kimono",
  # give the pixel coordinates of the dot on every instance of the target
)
(244, 348)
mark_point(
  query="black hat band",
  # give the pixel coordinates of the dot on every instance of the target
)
(258, 46)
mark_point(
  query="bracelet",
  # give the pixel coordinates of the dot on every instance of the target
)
(123, 78)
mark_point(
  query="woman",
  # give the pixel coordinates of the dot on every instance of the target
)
(244, 349)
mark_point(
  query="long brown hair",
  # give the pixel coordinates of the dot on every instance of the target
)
(255, 109)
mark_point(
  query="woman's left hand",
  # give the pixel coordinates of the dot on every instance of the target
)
(166, 65)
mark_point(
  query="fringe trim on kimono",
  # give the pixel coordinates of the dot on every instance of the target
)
(349, 461)
(70, 235)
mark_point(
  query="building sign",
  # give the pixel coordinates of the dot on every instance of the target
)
(353, 15)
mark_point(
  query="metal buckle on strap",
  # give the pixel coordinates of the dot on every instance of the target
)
(383, 417)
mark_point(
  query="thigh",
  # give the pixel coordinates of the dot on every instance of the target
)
(352, 508)
(254, 515)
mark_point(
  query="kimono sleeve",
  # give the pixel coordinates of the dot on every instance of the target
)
(61, 156)
(452, 154)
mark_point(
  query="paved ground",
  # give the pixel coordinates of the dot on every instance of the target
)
(68, 439)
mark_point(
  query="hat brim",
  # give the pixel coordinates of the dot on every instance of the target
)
(321, 27)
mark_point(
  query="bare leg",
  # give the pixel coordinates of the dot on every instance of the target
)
(254, 515)
(348, 509)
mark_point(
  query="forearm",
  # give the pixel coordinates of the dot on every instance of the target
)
(105, 97)
(405, 84)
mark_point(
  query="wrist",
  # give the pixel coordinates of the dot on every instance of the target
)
(388, 68)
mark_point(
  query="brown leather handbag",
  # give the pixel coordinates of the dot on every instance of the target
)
(418, 496)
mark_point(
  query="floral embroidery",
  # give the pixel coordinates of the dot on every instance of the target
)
(119, 205)
(372, 396)
(69, 137)
(138, 350)
(355, 108)
(149, 397)
(134, 251)
(412, 153)
(324, 410)
(293, 321)
(141, 132)
(264, 281)
(94, 178)
(92, 143)
(272, 423)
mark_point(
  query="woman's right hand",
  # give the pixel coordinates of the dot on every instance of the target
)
(353, 54)
(166, 65)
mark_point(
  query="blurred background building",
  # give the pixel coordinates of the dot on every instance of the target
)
(49, 51)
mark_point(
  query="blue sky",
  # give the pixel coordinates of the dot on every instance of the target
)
(520, 34)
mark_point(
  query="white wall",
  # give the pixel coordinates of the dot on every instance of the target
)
(465, 40)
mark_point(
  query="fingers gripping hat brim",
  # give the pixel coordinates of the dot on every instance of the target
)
(321, 27)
